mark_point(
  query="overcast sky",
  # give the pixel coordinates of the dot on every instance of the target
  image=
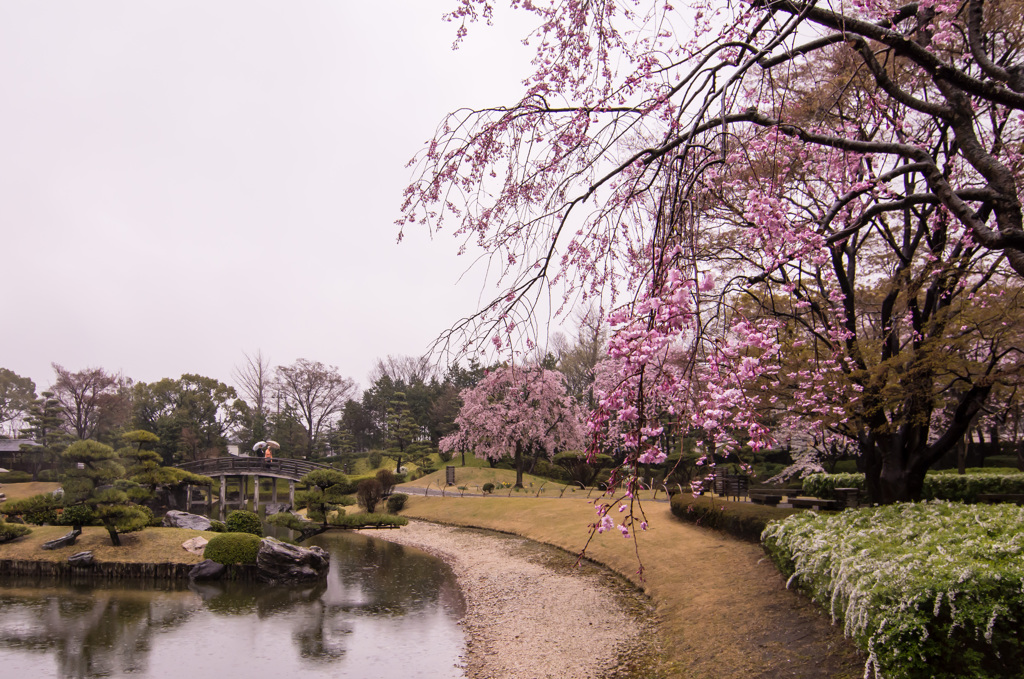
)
(182, 182)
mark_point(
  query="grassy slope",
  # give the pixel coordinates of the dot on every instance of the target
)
(724, 609)
(20, 491)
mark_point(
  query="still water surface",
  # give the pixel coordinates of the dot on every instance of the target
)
(385, 611)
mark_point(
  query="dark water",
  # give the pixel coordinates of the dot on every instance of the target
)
(385, 611)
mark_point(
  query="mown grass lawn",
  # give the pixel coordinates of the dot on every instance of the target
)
(150, 545)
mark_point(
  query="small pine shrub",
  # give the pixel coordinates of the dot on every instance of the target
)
(232, 548)
(244, 521)
(76, 515)
(396, 502)
(12, 531)
(488, 488)
(218, 527)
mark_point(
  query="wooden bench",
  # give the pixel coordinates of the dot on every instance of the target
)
(765, 497)
(812, 503)
(734, 486)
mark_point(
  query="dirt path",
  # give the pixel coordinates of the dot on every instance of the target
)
(721, 608)
(530, 614)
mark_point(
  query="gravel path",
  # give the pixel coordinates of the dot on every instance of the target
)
(528, 616)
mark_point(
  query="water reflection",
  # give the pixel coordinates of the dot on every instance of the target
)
(384, 610)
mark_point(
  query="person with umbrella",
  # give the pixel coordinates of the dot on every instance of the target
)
(266, 447)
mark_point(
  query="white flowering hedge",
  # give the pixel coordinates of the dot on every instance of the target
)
(962, 487)
(933, 589)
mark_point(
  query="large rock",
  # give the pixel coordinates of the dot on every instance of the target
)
(207, 570)
(196, 545)
(176, 519)
(280, 562)
(64, 541)
(81, 559)
(277, 507)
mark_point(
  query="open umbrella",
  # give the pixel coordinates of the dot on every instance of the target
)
(259, 446)
(273, 444)
(4, 471)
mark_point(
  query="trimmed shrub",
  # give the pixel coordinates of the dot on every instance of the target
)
(488, 488)
(49, 476)
(929, 589)
(15, 477)
(375, 458)
(244, 521)
(396, 502)
(743, 520)
(941, 486)
(218, 527)
(232, 548)
(12, 531)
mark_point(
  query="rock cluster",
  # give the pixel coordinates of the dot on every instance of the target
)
(176, 519)
(280, 562)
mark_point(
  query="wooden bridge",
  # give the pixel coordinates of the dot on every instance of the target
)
(240, 468)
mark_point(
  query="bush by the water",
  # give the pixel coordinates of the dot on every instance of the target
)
(943, 486)
(11, 531)
(367, 520)
(244, 521)
(396, 502)
(218, 527)
(930, 589)
(231, 548)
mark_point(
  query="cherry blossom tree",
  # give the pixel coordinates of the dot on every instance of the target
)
(517, 412)
(741, 181)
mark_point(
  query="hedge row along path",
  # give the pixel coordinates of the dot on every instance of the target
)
(722, 609)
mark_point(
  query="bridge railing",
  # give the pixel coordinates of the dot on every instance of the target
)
(219, 466)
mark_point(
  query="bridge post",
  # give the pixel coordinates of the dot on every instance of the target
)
(273, 492)
(256, 494)
(243, 488)
(223, 497)
(209, 500)
(188, 498)
(291, 493)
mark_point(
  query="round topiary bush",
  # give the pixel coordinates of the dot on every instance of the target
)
(244, 521)
(232, 548)
(218, 527)
(488, 488)
(396, 502)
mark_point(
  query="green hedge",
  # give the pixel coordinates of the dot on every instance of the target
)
(15, 477)
(929, 590)
(944, 486)
(744, 520)
(232, 548)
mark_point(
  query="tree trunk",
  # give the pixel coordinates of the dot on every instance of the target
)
(519, 465)
(115, 539)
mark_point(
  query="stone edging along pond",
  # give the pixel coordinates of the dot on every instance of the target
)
(115, 570)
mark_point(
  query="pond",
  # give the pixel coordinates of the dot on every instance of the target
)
(385, 611)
